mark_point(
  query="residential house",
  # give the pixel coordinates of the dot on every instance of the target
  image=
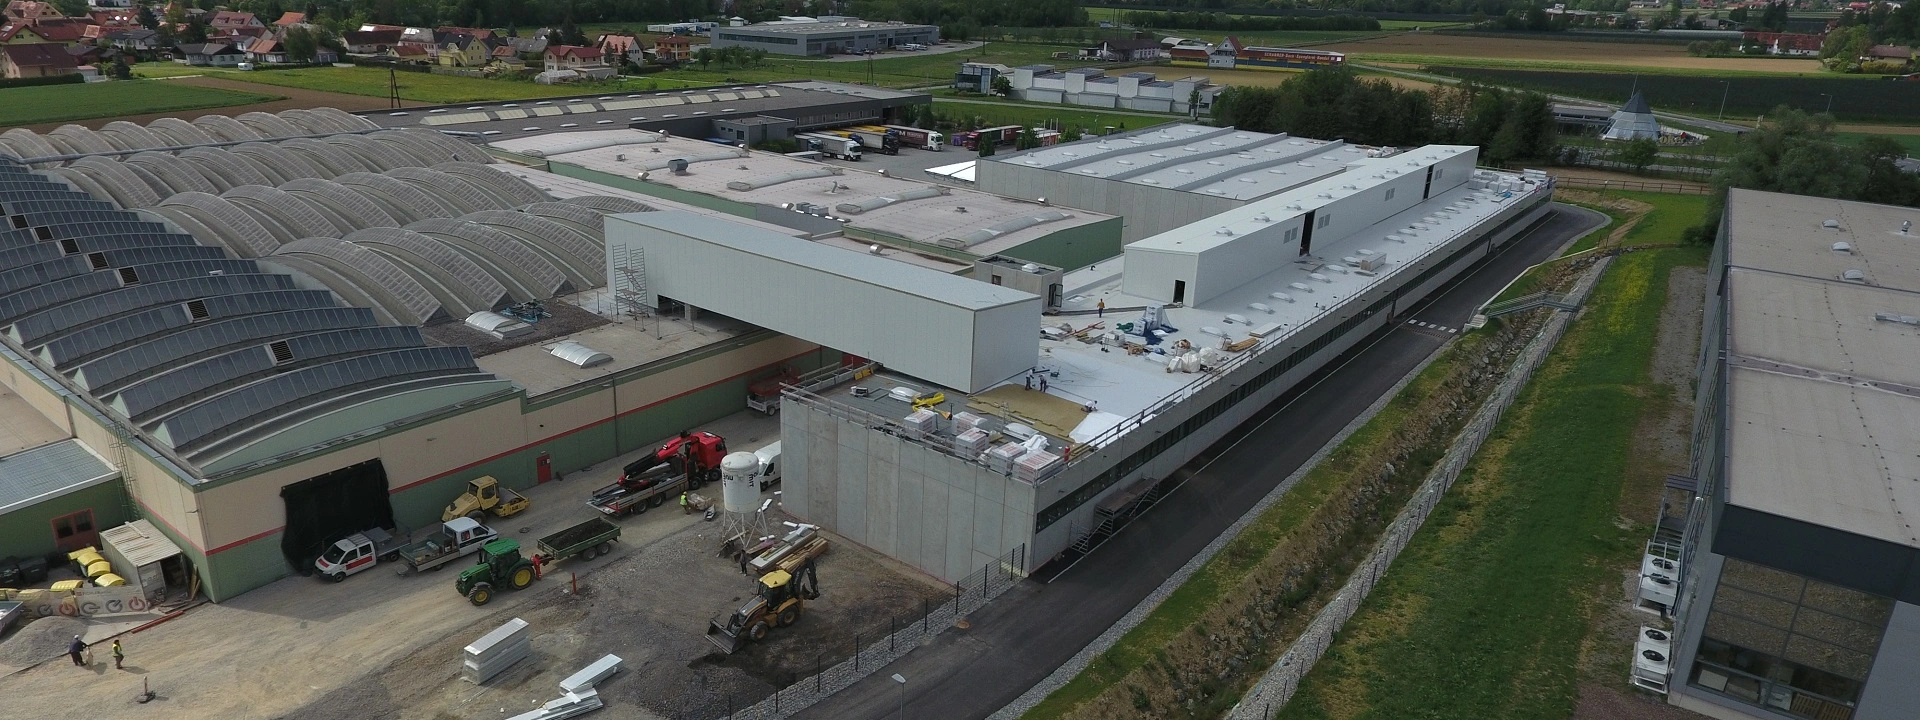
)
(1137, 49)
(30, 12)
(414, 54)
(462, 50)
(673, 49)
(622, 48)
(115, 18)
(371, 42)
(62, 34)
(1791, 44)
(133, 39)
(289, 19)
(566, 63)
(213, 54)
(267, 51)
(36, 60)
(1897, 54)
(535, 44)
(227, 21)
(86, 55)
(481, 33)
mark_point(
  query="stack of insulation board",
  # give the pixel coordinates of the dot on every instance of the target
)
(496, 651)
(971, 442)
(923, 423)
(1034, 465)
(964, 421)
(1002, 457)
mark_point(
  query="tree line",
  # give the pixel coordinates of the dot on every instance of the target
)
(1336, 103)
(1796, 152)
(1201, 20)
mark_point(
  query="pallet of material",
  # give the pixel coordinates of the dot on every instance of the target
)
(799, 546)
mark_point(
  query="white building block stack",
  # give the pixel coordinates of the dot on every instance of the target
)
(494, 652)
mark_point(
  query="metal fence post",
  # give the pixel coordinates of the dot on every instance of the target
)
(817, 673)
(856, 652)
(891, 629)
(926, 616)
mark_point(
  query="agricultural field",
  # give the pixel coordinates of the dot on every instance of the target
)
(1520, 52)
(65, 103)
(417, 87)
(1860, 99)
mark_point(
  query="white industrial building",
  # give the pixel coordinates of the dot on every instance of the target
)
(1092, 87)
(1110, 412)
(824, 35)
(1161, 178)
(950, 330)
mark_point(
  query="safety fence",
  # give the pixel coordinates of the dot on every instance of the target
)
(1272, 691)
(872, 652)
(1637, 185)
(84, 602)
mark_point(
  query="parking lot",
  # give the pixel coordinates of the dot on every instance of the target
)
(911, 164)
(379, 641)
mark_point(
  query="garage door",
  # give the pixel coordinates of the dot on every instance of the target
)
(325, 508)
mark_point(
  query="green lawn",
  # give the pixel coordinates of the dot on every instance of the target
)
(1671, 215)
(1248, 550)
(62, 103)
(1588, 66)
(1910, 142)
(1484, 613)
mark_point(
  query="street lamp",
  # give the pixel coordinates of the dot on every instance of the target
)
(902, 679)
(1727, 88)
(1829, 103)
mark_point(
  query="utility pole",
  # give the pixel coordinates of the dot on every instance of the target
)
(393, 89)
(1726, 87)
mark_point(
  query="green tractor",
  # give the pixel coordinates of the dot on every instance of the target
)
(500, 565)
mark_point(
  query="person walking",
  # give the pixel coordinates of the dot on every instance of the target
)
(74, 650)
(1103, 308)
(685, 507)
(119, 655)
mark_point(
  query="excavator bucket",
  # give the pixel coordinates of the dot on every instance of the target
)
(728, 641)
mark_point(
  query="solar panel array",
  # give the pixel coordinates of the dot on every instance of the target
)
(278, 314)
(175, 389)
(68, 349)
(226, 223)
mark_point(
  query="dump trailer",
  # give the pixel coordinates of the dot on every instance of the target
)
(455, 539)
(881, 142)
(778, 598)
(832, 146)
(586, 540)
(918, 138)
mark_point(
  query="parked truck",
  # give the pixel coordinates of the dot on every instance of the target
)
(456, 538)
(832, 146)
(918, 138)
(356, 552)
(684, 463)
(881, 142)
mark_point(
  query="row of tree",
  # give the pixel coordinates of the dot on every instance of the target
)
(1796, 152)
(1200, 20)
(1336, 103)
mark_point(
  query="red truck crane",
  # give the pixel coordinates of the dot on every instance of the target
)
(684, 463)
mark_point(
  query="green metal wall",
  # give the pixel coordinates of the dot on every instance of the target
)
(1074, 247)
(689, 197)
(28, 531)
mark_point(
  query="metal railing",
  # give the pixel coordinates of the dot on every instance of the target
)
(1529, 302)
(1638, 185)
(873, 651)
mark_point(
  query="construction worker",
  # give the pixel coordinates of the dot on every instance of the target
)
(74, 650)
(119, 655)
(686, 508)
(1102, 308)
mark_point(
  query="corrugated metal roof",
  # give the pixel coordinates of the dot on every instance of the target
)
(49, 471)
(140, 542)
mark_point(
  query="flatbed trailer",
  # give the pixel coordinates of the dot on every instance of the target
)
(619, 500)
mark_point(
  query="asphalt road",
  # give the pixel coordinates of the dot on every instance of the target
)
(1024, 635)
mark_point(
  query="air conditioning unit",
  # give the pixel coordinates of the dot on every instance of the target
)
(1652, 660)
(1658, 591)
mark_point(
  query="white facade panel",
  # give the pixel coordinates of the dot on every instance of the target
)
(1229, 265)
(1153, 273)
(952, 331)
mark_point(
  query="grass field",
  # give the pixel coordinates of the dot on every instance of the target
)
(1910, 141)
(1449, 632)
(1245, 552)
(1480, 51)
(1850, 97)
(63, 103)
(419, 87)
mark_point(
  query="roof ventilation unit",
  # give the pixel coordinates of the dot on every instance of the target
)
(1224, 232)
(1853, 276)
(1260, 307)
(1319, 278)
(1302, 287)
(1831, 224)
(1262, 217)
(1841, 247)
(1905, 225)
(1282, 297)
(1896, 318)
(578, 354)
(497, 325)
(678, 166)
(1396, 239)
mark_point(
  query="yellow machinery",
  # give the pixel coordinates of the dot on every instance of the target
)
(485, 495)
(780, 598)
(929, 400)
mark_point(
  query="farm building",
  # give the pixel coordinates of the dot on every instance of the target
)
(1231, 53)
(1793, 579)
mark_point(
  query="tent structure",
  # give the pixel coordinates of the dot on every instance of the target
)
(1634, 121)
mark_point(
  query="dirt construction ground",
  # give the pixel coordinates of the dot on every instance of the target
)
(1565, 51)
(383, 646)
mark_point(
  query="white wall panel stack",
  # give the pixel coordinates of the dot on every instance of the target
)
(496, 651)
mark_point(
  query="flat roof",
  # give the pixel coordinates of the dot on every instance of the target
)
(1819, 367)
(1224, 162)
(774, 180)
(939, 287)
(513, 119)
(630, 342)
(50, 471)
(23, 427)
(562, 187)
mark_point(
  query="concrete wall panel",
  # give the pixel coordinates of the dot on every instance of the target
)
(1891, 693)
